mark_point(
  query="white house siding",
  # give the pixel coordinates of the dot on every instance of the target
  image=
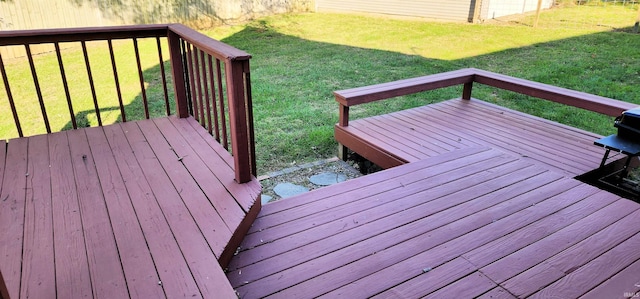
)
(454, 10)
(500, 8)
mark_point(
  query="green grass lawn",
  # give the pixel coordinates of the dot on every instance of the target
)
(50, 81)
(298, 60)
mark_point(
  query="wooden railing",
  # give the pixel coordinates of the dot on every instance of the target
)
(211, 81)
(466, 77)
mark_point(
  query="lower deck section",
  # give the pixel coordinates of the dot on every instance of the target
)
(471, 222)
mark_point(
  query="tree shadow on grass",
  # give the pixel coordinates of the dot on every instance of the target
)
(134, 110)
(293, 80)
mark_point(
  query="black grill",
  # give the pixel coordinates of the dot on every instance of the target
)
(628, 124)
(620, 177)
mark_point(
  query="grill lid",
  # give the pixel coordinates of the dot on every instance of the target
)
(628, 124)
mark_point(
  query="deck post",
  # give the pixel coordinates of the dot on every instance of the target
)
(466, 90)
(238, 117)
(344, 115)
(343, 152)
(177, 73)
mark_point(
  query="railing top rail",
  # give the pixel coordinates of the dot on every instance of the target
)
(361, 95)
(603, 105)
(20, 37)
(211, 46)
(600, 104)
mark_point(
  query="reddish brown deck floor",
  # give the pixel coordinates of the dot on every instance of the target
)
(140, 209)
(430, 130)
(469, 222)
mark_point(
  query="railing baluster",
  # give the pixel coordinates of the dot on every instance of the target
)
(249, 103)
(223, 121)
(164, 77)
(206, 88)
(38, 90)
(91, 83)
(214, 105)
(65, 85)
(145, 103)
(7, 88)
(192, 86)
(466, 90)
(115, 76)
(198, 84)
(178, 74)
(187, 79)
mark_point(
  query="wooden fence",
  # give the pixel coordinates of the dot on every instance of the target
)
(46, 14)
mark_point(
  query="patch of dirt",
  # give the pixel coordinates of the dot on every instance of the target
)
(354, 167)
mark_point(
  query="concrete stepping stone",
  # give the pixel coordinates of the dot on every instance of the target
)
(327, 178)
(265, 198)
(288, 189)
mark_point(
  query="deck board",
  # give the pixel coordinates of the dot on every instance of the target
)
(509, 244)
(283, 207)
(461, 235)
(552, 138)
(491, 253)
(454, 217)
(137, 263)
(497, 293)
(577, 282)
(511, 137)
(130, 210)
(198, 254)
(188, 190)
(571, 258)
(400, 209)
(38, 270)
(107, 277)
(151, 219)
(72, 276)
(625, 283)
(547, 247)
(12, 204)
(470, 286)
(437, 128)
(323, 211)
(439, 277)
(227, 209)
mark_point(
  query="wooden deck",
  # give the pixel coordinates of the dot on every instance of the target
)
(475, 221)
(415, 134)
(146, 209)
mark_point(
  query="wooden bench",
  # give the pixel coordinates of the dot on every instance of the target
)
(411, 135)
